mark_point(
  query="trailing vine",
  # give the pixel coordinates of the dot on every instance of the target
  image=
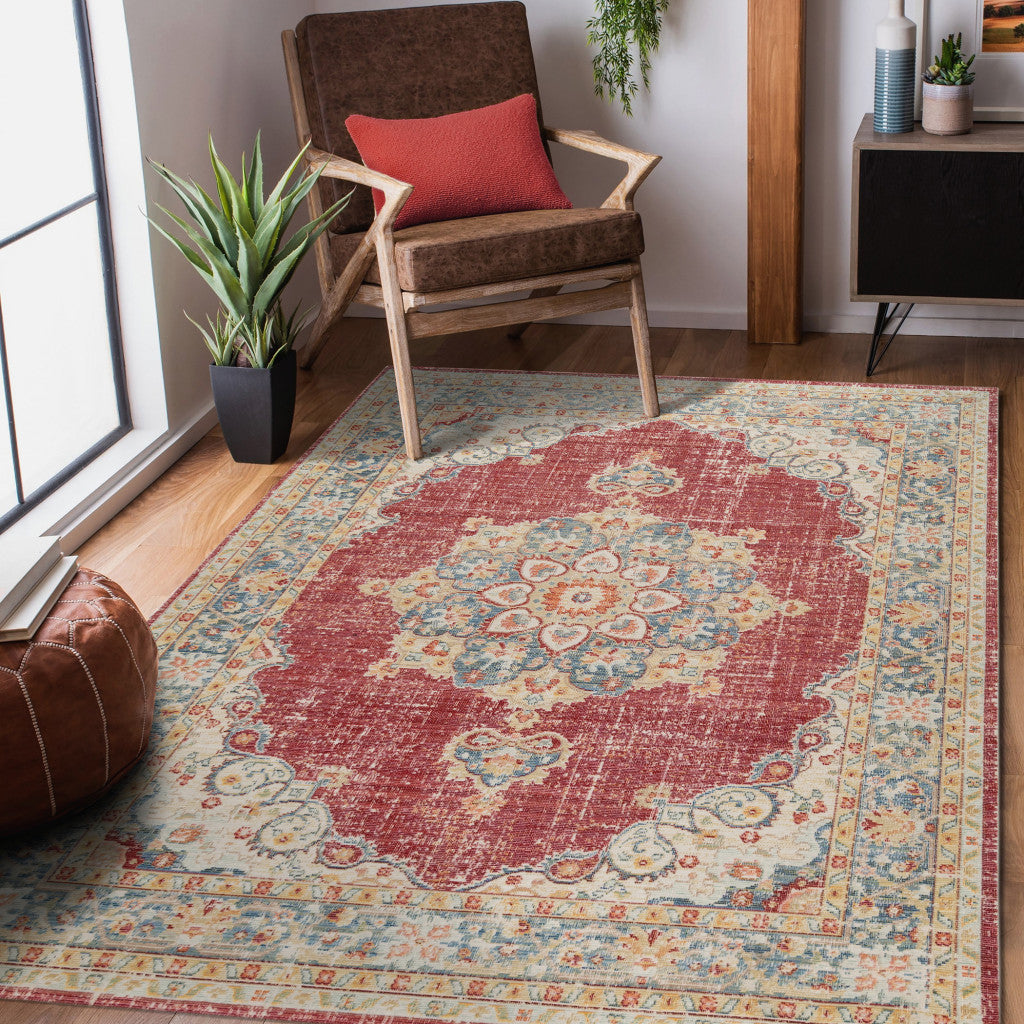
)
(624, 31)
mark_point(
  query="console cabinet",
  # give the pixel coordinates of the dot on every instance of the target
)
(937, 218)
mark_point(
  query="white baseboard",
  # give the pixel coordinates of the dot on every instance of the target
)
(1004, 323)
(674, 319)
(1005, 326)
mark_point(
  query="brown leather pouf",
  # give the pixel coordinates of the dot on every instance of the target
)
(76, 703)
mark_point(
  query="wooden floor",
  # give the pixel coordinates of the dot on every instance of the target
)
(155, 543)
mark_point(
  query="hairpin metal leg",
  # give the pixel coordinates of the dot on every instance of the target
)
(882, 320)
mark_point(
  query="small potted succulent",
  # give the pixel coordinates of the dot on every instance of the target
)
(948, 107)
(237, 245)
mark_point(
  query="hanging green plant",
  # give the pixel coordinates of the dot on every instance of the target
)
(624, 31)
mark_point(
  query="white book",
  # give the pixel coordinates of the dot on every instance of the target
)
(24, 561)
(23, 622)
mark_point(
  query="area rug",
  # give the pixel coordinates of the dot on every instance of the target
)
(581, 718)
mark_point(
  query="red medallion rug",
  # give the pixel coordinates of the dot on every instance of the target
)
(578, 719)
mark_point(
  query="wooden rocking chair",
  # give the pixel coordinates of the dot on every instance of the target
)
(424, 62)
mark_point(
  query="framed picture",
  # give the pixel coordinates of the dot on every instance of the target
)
(1002, 26)
(989, 28)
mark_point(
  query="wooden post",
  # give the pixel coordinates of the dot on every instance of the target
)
(776, 31)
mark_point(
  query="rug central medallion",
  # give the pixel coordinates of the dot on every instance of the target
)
(545, 613)
(566, 609)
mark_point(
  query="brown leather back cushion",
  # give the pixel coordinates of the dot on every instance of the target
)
(410, 62)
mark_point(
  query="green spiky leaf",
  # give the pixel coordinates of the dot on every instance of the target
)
(220, 339)
(254, 181)
(230, 192)
(268, 232)
(250, 265)
(237, 244)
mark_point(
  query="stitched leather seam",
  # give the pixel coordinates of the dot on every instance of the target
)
(99, 703)
(42, 745)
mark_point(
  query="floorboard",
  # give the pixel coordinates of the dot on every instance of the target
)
(153, 546)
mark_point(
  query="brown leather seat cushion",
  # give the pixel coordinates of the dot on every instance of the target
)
(503, 247)
(76, 703)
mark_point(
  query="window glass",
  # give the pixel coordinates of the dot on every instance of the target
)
(45, 160)
(61, 378)
(58, 344)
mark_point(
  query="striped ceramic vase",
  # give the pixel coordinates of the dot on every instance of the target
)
(895, 80)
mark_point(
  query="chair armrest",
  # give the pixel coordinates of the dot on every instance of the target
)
(639, 164)
(378, 241)
(395, 192)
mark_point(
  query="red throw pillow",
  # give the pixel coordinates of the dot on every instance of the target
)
(488, 160)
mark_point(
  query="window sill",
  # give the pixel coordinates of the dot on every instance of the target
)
(109, 483)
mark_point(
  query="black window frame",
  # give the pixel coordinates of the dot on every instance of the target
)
(26, 502)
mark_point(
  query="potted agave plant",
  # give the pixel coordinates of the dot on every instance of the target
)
(948, 105)
(237, 244)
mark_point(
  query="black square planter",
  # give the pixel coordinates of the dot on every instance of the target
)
(255, 408)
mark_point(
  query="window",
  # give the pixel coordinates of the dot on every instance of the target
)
(61, 365)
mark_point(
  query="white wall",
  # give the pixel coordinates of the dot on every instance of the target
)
(694, 203)
(201, 66)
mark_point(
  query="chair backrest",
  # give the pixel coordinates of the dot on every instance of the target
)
(409, 62)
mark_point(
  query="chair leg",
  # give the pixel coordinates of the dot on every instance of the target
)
(642, 345)
(399, 338)
(515, 332)
(403, 378)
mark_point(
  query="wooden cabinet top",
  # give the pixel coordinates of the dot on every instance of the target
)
(992, 136)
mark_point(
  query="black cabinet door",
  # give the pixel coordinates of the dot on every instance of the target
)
(942, 224)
